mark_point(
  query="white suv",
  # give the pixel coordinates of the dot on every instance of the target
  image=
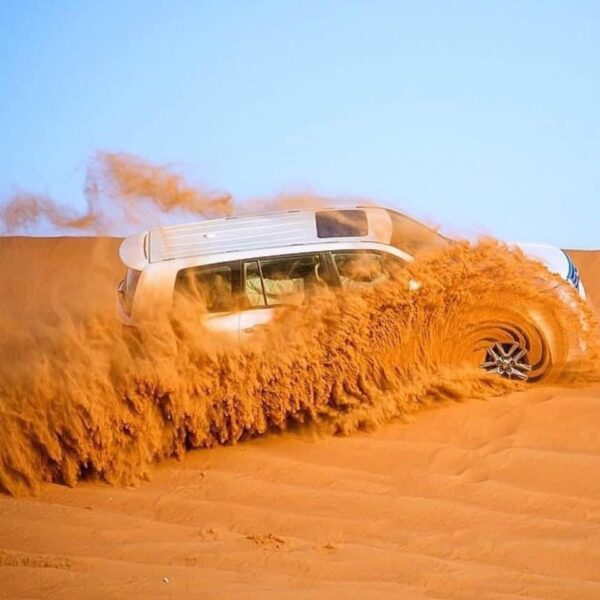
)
(277, 259)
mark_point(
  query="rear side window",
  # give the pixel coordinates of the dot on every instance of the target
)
(342, 223)
(214, 286)
(282, 280)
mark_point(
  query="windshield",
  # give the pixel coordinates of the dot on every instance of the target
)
(414, 237)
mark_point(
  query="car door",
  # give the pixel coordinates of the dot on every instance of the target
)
(215, 290)
(271, 284)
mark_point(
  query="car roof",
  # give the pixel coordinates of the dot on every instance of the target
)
(250, 232)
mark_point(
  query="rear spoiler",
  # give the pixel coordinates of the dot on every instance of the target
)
(134, 251)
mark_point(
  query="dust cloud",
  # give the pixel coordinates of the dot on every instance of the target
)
(80, 398)
(121, 191)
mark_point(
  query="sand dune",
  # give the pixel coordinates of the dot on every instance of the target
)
(478, 499)
(493, 499)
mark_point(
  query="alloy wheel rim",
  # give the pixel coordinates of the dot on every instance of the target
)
(508, 360)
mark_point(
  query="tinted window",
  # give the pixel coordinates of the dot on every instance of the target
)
(282, 280)
(341, 223)
(214, 286)
(254, 290)
(413, 237)
(364, 269)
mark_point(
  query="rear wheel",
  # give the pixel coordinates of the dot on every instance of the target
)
(508, 360)
(521, 347)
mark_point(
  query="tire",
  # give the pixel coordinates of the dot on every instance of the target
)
(523, 346)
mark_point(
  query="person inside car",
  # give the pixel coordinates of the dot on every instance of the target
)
(361, 271)
(278, 289)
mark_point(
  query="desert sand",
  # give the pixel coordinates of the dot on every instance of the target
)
(476, 499)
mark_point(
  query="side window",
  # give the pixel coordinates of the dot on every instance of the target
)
(413, 237)
(282, 280)
(364, 269)
(254, 289)
(214, 286)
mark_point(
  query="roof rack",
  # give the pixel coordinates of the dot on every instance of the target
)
(241, 233)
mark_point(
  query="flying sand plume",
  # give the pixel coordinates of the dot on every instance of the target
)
(78, 398)
(24, 209)
(83, 400)
(120, 189)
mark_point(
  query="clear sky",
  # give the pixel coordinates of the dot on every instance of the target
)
(480, 116)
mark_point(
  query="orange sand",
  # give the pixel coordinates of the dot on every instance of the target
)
(495, 499)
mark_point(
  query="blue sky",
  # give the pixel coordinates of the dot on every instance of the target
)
(483, 117)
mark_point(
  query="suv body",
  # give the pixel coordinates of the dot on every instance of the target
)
(273, 260)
